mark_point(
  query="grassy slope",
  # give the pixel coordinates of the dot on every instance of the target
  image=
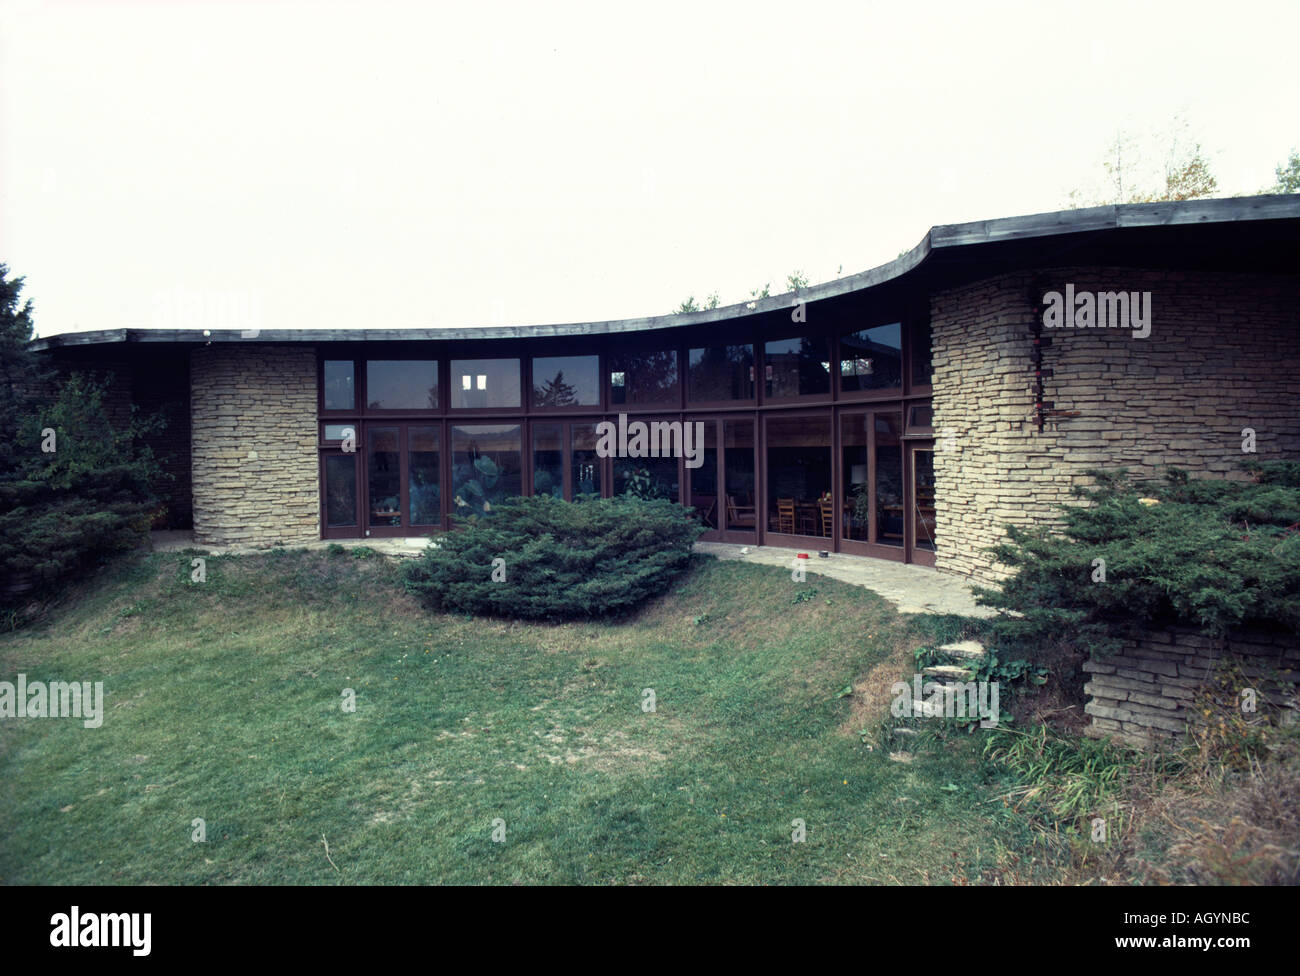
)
(222, 701)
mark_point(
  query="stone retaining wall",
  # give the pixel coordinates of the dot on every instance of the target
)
(1223, 354)
(1142, 695)
(253, 426)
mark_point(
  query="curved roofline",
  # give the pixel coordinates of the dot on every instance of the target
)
(938, 240)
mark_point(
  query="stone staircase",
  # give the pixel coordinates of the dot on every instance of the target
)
(962, 658)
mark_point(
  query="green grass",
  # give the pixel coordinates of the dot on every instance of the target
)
(222, 701)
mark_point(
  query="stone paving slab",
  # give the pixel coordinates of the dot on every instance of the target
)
(911, 588)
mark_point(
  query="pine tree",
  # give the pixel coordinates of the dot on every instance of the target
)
(555, 393)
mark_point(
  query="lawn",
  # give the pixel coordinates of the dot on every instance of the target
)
(223, 701)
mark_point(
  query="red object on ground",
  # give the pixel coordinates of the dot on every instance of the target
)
(802, 555)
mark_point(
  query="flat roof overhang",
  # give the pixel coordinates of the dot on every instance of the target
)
(1256, 233)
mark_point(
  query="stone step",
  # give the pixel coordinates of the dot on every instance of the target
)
(952, 671)
(966, 650)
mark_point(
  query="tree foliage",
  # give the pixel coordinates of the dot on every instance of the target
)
(1288, 175)
(1183, 172)
(91, 494)
(561, 560)
(1204, 553)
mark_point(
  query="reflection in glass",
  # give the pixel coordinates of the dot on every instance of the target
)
(483, 383)
(647, 477)
(486, 467)
(586, 462)
(548, 460)
(738, 463)
(889, 478)
(923, 473)
(340, 388)
(383, 467)
(423, 486)
(340, 490)
(649, 377)
(704, 479)
(856, 493)
(566, 381)
(718, 373)
(797, 367)
(402, 384)
(922, 357)
(872, 359)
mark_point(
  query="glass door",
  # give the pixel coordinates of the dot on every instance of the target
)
(402, 481)
(704, 481)
(798, 509)
(921, 507)
(340, 495)
(738, 505)
(870, 490)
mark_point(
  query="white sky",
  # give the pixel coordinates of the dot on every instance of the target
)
(390, 165)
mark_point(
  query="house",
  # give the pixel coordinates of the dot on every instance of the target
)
(905, 413)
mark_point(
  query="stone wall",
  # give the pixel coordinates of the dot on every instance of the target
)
(1223, 354)
(1143, 694)
(253, 426)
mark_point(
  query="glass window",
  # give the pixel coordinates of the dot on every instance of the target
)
(649, 377)
(720, 373)
(402, 384)
(738, 464)
(424, 481)
(889, 479)
(336, 432)
(923, 476)
(384, 474)
(586, 462)
(799, 475)
(650, 477)
(485, 467)
(482, 383)
(646, 477)
(920, 418)
(872, 359)
(340, 490)
(340, 385)
(864, 501)
(548, 460)
(797, 367)
(566, 381)
(704, 479)
(922, 358)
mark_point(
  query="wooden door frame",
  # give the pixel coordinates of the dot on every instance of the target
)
(922, 557)
(341, 531)
(868, 547)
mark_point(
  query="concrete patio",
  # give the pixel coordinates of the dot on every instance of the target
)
(911, 588)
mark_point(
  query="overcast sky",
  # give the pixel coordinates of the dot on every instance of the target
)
(392, 165)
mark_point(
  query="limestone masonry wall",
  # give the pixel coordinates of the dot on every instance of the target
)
(253, 422)
(1143, 694)
(1223, 354)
